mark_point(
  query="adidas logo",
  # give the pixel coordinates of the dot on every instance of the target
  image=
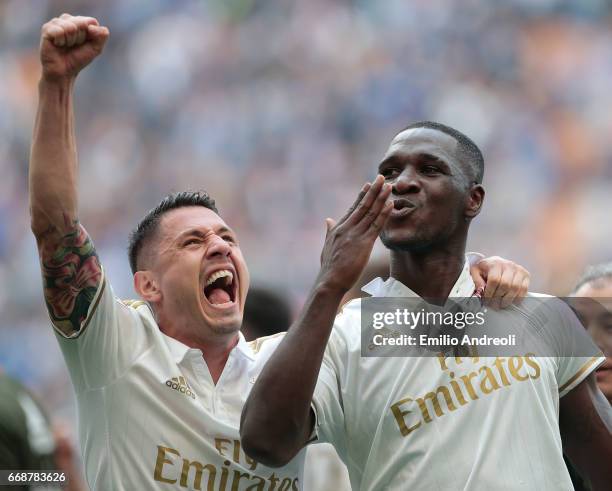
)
(181, 385)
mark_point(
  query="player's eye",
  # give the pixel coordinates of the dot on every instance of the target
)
(229, 238)
(191, 241)
(390, 173)
(430, 169)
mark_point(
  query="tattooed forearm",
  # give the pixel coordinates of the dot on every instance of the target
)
(71, 276)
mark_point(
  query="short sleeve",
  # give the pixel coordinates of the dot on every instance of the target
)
(111, 337)
(575, 352)
(575, 370)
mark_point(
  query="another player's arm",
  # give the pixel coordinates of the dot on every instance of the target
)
(70, 267)
(277, 419)
(587, 438)
(500, 281)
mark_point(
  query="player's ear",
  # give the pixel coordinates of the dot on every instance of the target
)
(146, 286)
(474, 201)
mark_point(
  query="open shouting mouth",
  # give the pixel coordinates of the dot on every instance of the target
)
(220, 288)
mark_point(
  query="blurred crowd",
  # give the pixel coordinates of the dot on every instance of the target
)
(281, 110)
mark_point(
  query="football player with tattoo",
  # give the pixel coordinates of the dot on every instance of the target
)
(160, 382)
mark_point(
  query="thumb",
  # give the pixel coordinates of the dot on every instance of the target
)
(329, 224)
(98, 35)
(479, 276)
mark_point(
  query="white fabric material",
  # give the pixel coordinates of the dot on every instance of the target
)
(150, 416)
(412, 423)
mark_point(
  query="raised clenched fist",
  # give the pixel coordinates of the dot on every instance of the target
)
(68, 44)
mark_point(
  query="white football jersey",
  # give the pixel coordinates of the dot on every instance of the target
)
(443, 422)
(150, 416)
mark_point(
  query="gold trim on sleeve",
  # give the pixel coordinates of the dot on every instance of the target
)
(90, 314)
(256, 344)
(579, 373)
(133, 303)
(93, 308)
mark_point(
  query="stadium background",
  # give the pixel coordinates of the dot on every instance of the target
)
(281, 110)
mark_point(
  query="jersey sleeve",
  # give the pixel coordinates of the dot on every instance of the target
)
(575, 370)
(576, 355)
(111, 337)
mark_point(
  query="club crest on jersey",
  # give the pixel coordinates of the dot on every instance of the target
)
(180, 384)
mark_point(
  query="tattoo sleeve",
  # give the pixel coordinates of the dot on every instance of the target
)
(71, 275)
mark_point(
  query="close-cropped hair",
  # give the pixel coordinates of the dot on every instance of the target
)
(468, 151)
(595, 274)
(147, 227)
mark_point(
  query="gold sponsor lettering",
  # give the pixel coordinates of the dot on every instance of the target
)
(222, 444)
(219, 445)
(433, 398)
(236, 480)
(500, 370)
(488, 384)
(197, 479)
(250, 462)
(285, 484)
(490, 377)
(224, 472)
(457, 390)
(515, 363)
(237, 451)
(228, 476)
(467, 380)
(160, 461)
(259, 486)
(273, 482)
(532, 363)
(442, 361)
(399, 417)
(472, 351)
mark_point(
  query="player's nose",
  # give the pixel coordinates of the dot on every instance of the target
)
(217, 248)
(406, 182)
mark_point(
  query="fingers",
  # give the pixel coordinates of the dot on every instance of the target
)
(378, 224)
(512, 292)
(54, 33)
(493, 276)
(523, 290)
(367, 215)
(360, 196)
(68, 31)
(368, 200)
(98, 36)
(370, 210)
(372, 218)
(506, 282)
(503, 287)
(478, 270)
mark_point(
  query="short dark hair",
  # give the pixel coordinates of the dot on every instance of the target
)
(468, 150)
(595, 273)
(148, 225)
(266, 312)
